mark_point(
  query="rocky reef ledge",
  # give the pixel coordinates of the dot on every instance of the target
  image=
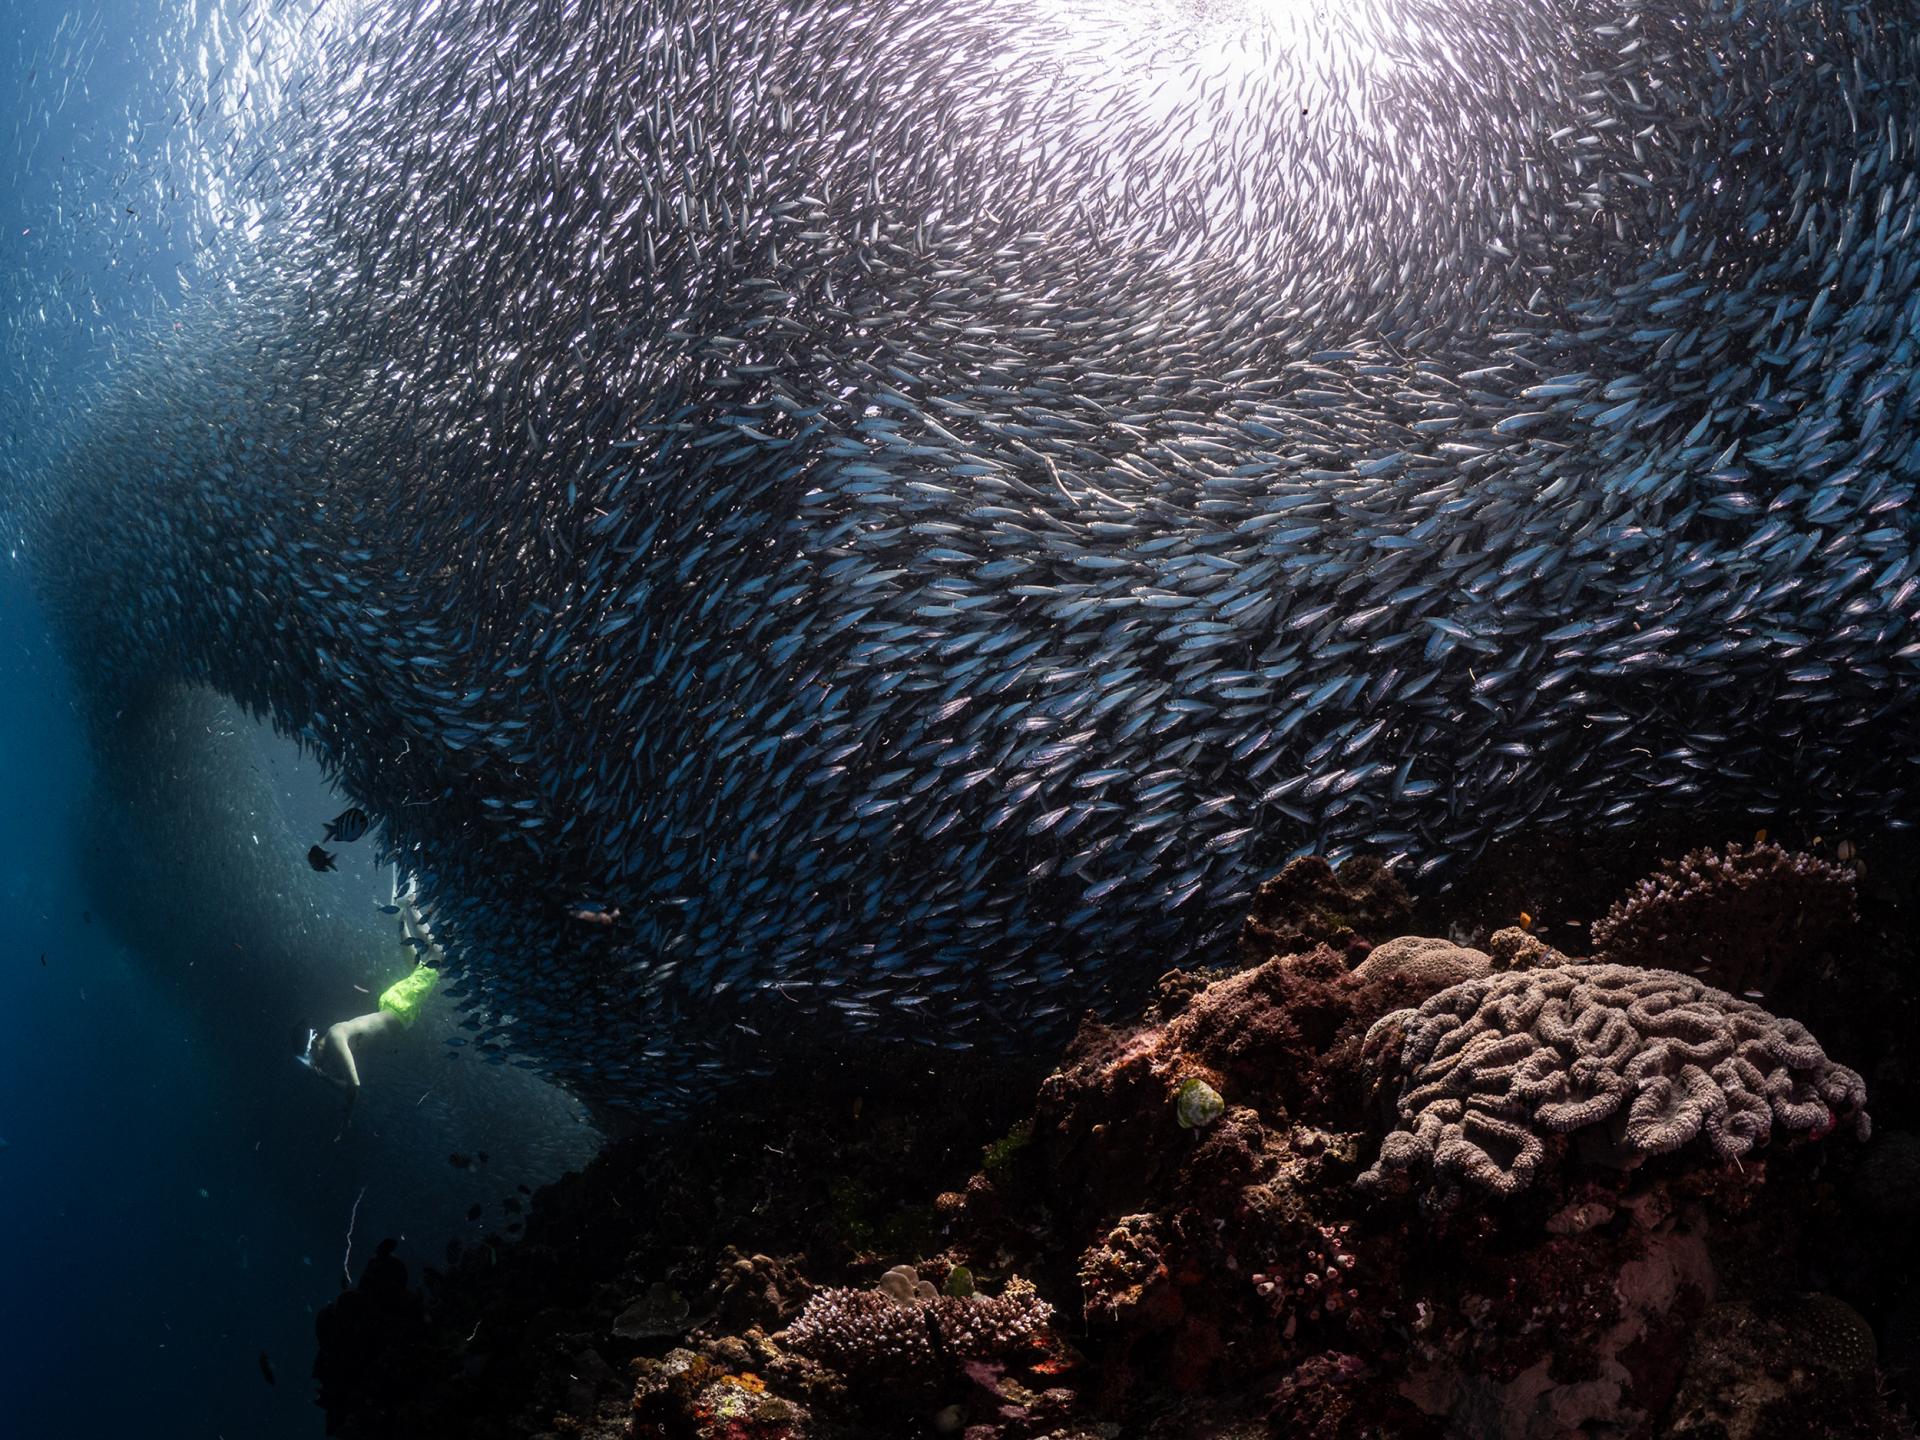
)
(1485, 1169)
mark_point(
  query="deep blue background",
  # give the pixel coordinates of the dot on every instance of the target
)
(174, 1189)
(152, 1246)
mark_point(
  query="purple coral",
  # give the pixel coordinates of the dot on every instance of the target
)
(1741, 917)
(1490, 1066)
(874, 1332)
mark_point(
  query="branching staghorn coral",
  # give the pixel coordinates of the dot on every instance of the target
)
(905, 1329)
(1491, 1066)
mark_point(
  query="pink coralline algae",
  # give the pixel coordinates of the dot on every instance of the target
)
(1740, 917)
(1490, 1069)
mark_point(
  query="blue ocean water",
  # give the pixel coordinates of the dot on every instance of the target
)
(175, 1191)
(141, 1199)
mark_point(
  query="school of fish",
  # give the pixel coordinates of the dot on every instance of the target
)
(917, 509)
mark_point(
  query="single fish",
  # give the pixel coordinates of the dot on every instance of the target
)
(346, 827)
(320, 860)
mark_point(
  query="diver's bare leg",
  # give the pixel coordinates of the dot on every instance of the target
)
(414, 927)
(340, 1038)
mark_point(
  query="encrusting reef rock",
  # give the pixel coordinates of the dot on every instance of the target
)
(1738, 915)
(1360, 1184)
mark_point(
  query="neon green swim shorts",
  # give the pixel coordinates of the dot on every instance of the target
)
(405, 996)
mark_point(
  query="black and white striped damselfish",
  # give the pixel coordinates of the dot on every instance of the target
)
(919, 508)
(346, 827)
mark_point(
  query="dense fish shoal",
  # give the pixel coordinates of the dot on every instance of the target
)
(914, 506)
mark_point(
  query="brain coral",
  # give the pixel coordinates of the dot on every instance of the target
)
(1490, 1066)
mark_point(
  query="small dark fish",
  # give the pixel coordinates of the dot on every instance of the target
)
(320, 860)
(459, 1161)
(347, 826)
(266, 1369)
(43, 957)
(86, 917)
(473, 1212)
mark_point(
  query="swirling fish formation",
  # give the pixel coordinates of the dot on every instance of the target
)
(920, 507)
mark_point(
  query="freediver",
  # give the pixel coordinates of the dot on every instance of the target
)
(330, 1054)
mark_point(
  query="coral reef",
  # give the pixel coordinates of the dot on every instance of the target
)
(1439, 961)
(908, 1329)
(1835, 1334)
(1493, 1068)
(1334, 1395)
(688, 1394)
(1184, 1239)
(1772, 1373)
(1740, 916)
(1311, 903)
(362, 1332)
(1206, 1259)
(1514, 948)
(1249, 1249)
